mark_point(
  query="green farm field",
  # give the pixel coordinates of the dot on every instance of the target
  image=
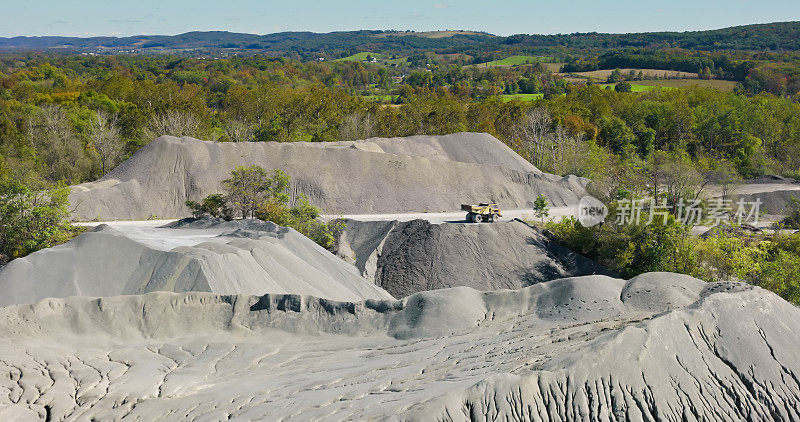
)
(721, 85)
(360, 57)
(648, 73)
(635, 87)
(642, 86)
(516, 61)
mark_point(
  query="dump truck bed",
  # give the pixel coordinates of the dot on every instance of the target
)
(483, 208)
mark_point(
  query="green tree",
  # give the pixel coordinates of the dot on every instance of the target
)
(631, 249)
(792, 219)
(302, 217)
(254, 192)
(672, 176)
(31, 219)
(214, 205)
(615, 76)
(540, 207)
(616, 134)
(645, 141)
(623, 86)
(247, 188)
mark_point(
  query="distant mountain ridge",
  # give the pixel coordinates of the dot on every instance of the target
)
(779, 36)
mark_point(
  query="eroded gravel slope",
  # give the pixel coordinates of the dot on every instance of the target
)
(658, 347)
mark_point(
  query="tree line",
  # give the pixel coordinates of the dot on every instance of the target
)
(777, 72)
(75, 122)
(73, 119)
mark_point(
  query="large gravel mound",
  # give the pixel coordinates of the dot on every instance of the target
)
(409, 257)
(465, 147)
(658, 347)
(157, 180)
(775, 203)
(237, 257)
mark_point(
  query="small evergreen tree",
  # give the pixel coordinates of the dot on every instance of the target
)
(540, 207)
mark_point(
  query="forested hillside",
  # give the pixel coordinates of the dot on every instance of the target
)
(67, 119)
(72, 119)
(778, 36)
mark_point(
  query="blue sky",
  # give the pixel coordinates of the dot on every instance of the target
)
(111, 17)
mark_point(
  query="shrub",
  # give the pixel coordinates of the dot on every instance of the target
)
(249, 187)
(32, 219)
(780, 275)
(768, 261)
(302, 217)
(792, 220)
(254, 193)
(623, 87)
(213, 205)
(629, 249)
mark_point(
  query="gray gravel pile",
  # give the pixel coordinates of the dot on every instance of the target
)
(409, 257)
(478, 148)
(774, 203)
(414, 174)
(658, 347)
(236, 257)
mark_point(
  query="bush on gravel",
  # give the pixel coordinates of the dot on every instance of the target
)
(255, 192)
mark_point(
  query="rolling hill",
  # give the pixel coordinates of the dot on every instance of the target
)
(768, 37)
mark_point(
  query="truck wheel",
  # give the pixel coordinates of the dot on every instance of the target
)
(476, 218)
(492, 218)
(470, 217)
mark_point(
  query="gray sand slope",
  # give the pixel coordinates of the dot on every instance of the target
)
(237, 257)
(775, 202)
(414, 256)
(658, 347)
(478, 148)
(426, 174)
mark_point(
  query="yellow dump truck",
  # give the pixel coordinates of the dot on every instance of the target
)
(482, 212)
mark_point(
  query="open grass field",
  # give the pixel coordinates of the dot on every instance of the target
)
(636, 87)
(382, 58)
(523, 97)
(554, 67)
(648, 73)
(516, 61)
(360, 57)
(642, 86)
(398, 61)
(687, 83)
